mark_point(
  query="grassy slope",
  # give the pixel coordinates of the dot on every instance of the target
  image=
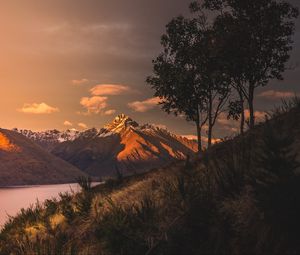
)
(242, 196)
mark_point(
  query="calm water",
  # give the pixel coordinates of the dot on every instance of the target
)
(14, 198)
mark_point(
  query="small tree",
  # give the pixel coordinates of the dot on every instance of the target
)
(212, 74)
(175, 78)
(189, 76)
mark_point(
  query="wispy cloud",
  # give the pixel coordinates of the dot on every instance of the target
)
(80, 81)
(273, 94)
(259, 115)
(161, 126)
(110, 112)
(190, 137)
(97, 102)
(36, 108)
(68, 123)
(94, 104)
(203, 139)
(109, 89)
(82, 125)
(144, 106)
(233, 126)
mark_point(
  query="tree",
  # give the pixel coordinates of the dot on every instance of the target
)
(236, 112)
(234, 65)
(213, 76)
(261, 38)
(175, 78)
(189, 75)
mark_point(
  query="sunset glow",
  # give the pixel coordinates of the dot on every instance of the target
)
(149, 127)
(6, 145)
(87, 62)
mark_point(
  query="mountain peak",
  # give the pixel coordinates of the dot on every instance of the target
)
(121, 117)
(120, 123)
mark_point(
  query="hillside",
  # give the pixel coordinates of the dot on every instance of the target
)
(240, 197)
(124, 146)
(22, 162)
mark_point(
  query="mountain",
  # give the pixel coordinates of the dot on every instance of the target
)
(23, 162)
(124, 146)
(50, 138)
(241, 196)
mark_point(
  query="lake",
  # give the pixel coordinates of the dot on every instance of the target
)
(12, 199)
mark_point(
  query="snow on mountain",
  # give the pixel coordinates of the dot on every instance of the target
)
(119, 124)
(50, 138)
(125, 145)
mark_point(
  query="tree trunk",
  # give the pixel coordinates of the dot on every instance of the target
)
(209, 136)
(199, 138)
(210, 124)
(242, 124)
(251, 107)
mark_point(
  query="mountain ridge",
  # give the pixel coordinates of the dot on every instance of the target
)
(124, 145)
(23, 162)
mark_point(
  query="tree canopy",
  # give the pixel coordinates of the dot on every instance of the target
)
(217, 58)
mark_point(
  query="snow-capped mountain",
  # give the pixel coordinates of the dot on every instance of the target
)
(119, 124)
(50, 138)
(124, 145)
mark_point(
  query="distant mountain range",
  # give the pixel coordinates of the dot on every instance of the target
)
(23, 162)
(50, 138)
(121, 146)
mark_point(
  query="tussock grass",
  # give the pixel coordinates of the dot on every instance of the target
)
(240, 197)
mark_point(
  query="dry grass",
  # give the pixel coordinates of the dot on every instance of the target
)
(233, 200)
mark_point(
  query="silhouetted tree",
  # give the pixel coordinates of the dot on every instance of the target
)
(260, 38)
(236, 112)
(175, 77)
(213, 75)
(189, 75)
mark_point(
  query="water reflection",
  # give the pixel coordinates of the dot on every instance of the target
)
(12, 199)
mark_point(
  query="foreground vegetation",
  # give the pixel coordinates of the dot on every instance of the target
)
(241, 197)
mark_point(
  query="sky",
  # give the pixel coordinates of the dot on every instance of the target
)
(77, 64)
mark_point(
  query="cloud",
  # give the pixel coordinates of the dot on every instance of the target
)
(68, 123)
(259, 115)
(109, 90)
(36, 108)
(144, 106)
(203, 139)
(160, 126)
(82, 125)
(94, 104)
(110, 112)
(80, 82)
(233, 126)
(223, 120)
(190, 137)
(273, 94)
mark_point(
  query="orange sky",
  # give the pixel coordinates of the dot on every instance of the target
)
(82, 62)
